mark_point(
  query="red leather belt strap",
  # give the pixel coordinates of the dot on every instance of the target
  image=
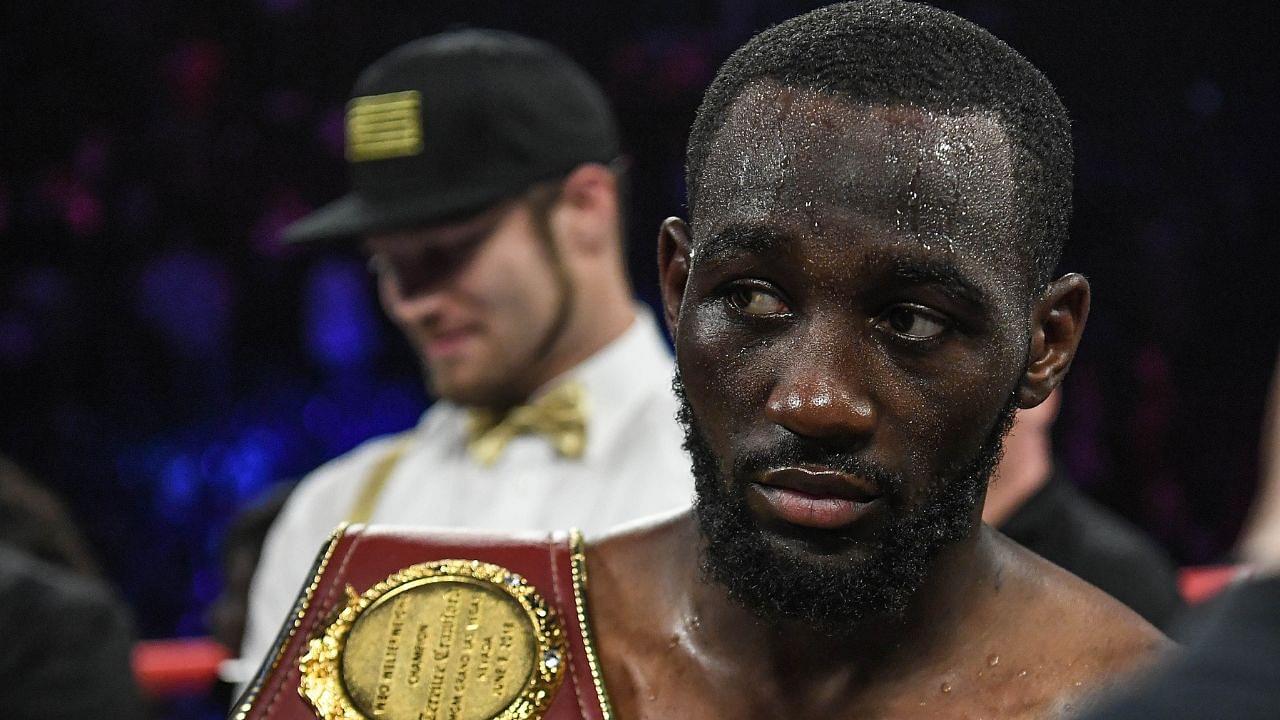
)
(362, 556)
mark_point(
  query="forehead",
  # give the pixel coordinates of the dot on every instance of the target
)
(930, 182)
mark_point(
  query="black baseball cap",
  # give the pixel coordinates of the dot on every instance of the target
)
(446, 126)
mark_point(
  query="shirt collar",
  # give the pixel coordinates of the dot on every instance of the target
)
(617, 378)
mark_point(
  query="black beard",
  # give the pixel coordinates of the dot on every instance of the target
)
(781, 584)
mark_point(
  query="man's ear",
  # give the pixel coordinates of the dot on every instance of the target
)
(673, 268)
(586, 213)
(1057, 322)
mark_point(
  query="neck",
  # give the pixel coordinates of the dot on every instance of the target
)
(1024, 469)
(600, 309)
(597, 312)
(814, 668)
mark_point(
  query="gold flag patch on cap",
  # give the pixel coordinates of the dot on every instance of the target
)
(384, 126)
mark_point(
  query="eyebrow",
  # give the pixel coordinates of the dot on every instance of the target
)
(462, 244)
(739, 239)
(736, 239)
(942, 274)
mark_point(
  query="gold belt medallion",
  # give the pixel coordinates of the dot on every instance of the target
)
(445, 640)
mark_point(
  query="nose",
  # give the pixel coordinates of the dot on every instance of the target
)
(410, 303)
(817, 401)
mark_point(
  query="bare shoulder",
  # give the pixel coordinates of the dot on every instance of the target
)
(1067, 631)
(630, 575)
(1048, 640)
(627, 565)
(636, 541)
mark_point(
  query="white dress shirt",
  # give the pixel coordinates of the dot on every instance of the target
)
(633, 466)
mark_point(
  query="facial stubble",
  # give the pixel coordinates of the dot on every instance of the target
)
(506, 391)
(782, 583)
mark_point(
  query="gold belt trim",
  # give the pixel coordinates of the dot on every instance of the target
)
(578, 566)
(300, 611)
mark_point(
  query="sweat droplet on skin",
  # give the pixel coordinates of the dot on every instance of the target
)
(946, 687)
(993, 660)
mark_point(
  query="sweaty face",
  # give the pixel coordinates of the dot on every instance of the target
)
(480, 301)
(783, 581)
(850, 335)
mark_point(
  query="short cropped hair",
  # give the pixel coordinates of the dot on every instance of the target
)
(886, 52)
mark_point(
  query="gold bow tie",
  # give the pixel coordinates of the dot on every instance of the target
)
(560, 415)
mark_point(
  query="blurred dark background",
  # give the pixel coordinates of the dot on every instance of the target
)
(164, 359)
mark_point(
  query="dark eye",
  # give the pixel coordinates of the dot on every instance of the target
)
(752, 301)
(914, 323)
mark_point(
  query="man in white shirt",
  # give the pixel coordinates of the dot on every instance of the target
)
(487, 196)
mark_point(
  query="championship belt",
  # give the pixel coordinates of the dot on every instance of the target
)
(436, 625)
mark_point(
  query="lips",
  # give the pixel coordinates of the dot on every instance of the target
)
(816, 497)
(442, 345)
